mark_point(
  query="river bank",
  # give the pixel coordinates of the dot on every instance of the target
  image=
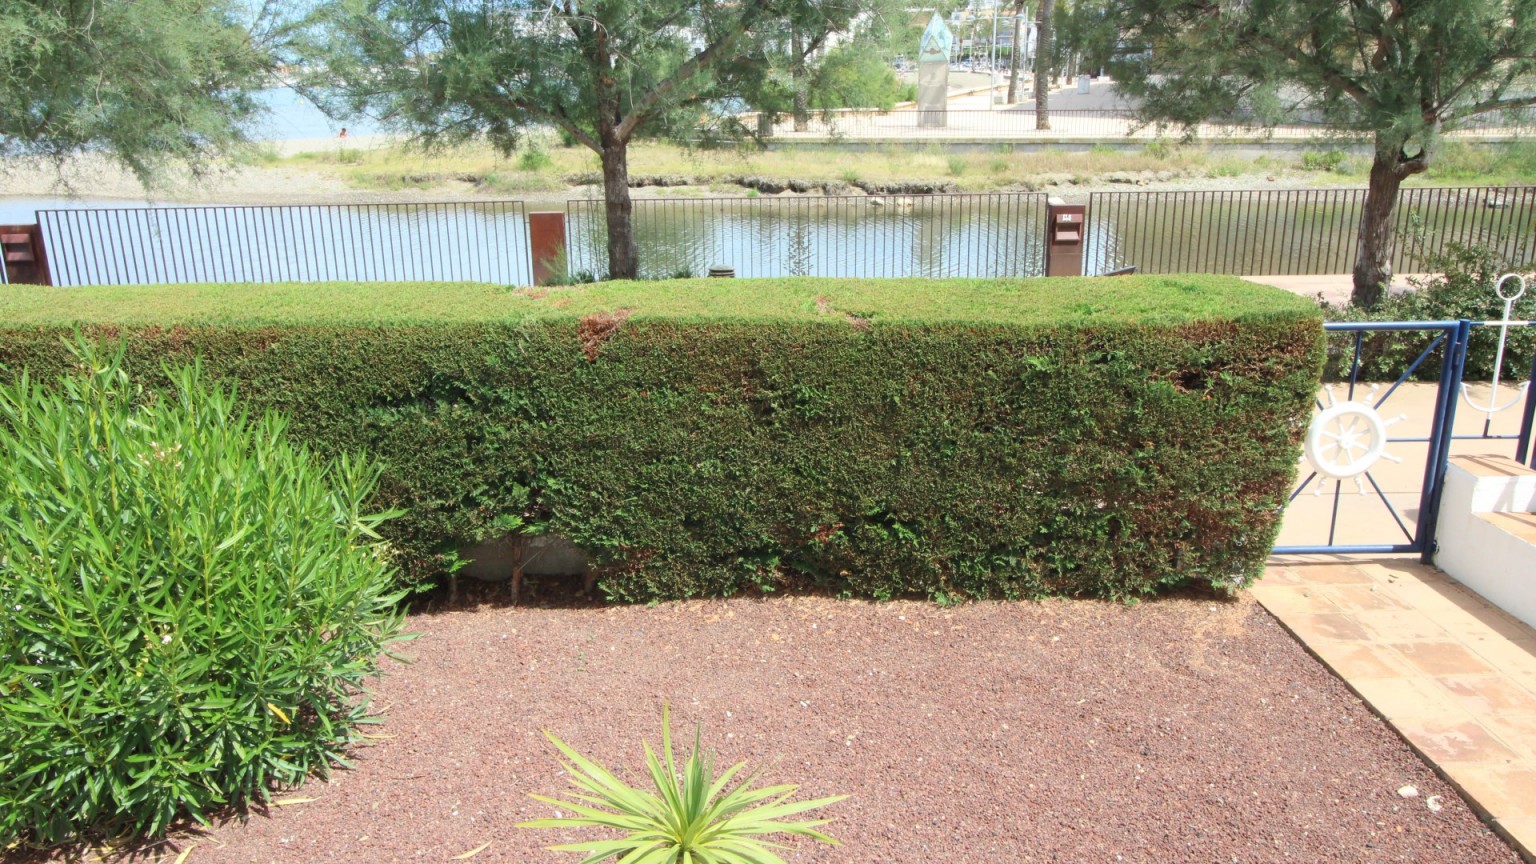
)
(376, 169)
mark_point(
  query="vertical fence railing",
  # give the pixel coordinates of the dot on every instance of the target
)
(1502, 218)
(480, 242)
(1279, 232)
(1296, 231)
(1000, 235)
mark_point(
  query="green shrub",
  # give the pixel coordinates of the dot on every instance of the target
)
(880, 437)
(1327, 160)
(1462, 287)
(533, 159)
(956, 165)
(1225, 168)
(188, 604)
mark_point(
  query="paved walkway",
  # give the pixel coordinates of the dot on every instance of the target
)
(1455, 676)
(1333, 287)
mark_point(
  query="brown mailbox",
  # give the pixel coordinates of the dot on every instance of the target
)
(1066, 226)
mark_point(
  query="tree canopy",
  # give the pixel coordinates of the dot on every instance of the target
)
(819, 55)
(604, 71)
(1399, 71)
(146, 82)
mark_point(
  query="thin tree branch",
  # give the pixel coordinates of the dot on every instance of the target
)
(1491, 106)
(558, 116)
(695, 64)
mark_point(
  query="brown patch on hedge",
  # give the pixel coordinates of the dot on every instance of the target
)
(822, 305)
(597, 328)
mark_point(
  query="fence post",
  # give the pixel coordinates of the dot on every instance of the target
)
(1440, 445)
(1066, 230)
(1523, 452)
(546, 240)
(24, 260)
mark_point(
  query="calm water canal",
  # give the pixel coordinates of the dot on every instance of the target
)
(998, 235)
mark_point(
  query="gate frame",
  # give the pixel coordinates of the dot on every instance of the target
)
(1452, 364)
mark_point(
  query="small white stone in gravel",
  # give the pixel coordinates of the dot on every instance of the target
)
(1433, 803)
(1055, 638)
(1408, 792)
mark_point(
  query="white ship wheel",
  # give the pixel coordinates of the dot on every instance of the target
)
(1346, 438)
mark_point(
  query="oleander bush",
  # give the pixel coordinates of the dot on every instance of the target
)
(940, 438)
(189, 603)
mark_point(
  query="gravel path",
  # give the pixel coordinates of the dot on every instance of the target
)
(1176, 730)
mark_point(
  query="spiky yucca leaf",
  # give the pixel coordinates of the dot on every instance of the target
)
(692, 817)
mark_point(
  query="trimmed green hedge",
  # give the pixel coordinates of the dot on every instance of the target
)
(880, 437)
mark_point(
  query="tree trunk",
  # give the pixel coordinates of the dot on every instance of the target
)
(797, 80)
(1013, 53)
(1043, 52)
(1373, 259)
(623, 257)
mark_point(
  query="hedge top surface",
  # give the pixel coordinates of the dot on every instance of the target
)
(1135, 299)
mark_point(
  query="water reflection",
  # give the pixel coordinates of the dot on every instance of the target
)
(928, 236)
(997, 235)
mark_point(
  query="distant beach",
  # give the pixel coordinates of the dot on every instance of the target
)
(290, 117)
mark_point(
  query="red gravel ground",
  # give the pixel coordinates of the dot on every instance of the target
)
(1186, 729)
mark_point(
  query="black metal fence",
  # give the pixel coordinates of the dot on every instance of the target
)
(480, 242)
(999, 235)
(1296, 232)
(1272, 232)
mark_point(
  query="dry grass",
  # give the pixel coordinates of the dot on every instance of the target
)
(550, 171)
(401, 167)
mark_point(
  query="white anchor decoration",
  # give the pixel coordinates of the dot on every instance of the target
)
(1493, 407)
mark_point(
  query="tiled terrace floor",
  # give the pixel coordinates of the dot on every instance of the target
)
(1454, 675)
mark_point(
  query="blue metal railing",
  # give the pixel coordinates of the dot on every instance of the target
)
(1451, 335)
(1451, 338)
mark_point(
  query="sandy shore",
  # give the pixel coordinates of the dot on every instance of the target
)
(91, 177)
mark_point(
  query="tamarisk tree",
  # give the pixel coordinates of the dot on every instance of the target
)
(147, 83)
(816, 54)
(1399, 71)
(606, 72)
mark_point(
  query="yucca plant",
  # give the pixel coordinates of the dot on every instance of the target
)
(692, 817)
